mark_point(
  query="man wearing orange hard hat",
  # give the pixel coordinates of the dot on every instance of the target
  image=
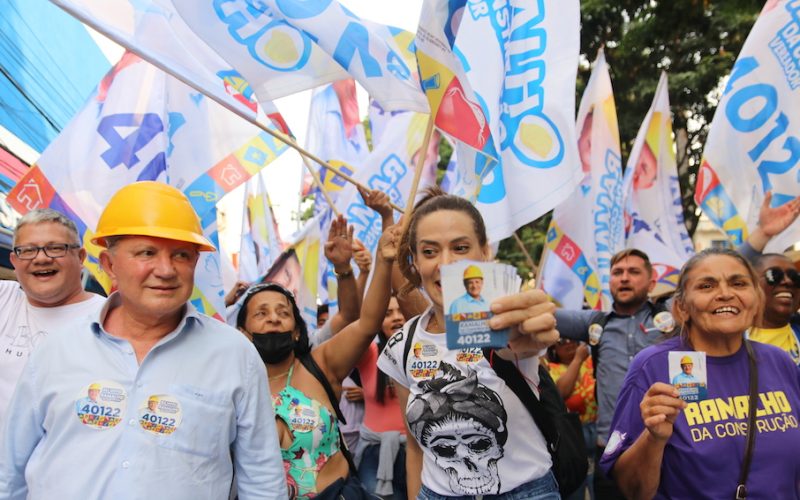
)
(214, 414)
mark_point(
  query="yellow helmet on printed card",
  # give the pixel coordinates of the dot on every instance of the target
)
(472, 271)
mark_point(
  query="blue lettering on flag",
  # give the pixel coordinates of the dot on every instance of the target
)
(123, 150)
(764, 97)
(247, 28)
(302, 9)
(356, 39)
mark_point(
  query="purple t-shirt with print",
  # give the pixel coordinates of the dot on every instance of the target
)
(703, 458)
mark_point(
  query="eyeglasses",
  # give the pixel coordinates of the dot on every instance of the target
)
(53, 250)
(775, 275)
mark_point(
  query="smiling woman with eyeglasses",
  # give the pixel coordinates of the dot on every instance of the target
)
(780, 282)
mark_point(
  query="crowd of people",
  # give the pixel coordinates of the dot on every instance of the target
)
(138, 395)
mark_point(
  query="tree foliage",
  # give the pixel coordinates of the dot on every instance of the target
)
(695, 41)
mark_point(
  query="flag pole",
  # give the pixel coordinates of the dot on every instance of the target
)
(525, 252)
(289, 141)
(423, 156)
(318, 182)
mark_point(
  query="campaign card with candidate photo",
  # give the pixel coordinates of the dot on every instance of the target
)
(687, 372)
(468, 289)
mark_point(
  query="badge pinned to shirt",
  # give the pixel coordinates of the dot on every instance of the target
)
(664, 322)
(303, 418)
(595, 332)
(423, 361)
(101, 405)
(469, 355)
(160, 414)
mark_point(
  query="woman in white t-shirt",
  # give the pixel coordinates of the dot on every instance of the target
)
(470, 435)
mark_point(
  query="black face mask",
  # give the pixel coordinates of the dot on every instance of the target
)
(273, 347)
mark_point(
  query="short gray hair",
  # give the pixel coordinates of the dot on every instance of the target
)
(42, 215)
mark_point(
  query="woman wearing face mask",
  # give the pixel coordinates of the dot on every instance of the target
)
(469, 434)
(664, 447)
(305, 418)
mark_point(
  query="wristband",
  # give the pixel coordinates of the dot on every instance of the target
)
(344, 274)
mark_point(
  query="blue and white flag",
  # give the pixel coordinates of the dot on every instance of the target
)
(653, 202)
(753, 143)
(141, 124)
(260, 242)
(587, 229)
(521, 58)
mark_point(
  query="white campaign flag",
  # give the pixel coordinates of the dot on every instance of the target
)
(142, 124)
(390, 168)
(587, 229)
(260, 242)
(653, 203)
(753, 143)
(521, 59)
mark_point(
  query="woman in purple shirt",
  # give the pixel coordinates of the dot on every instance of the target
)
(664, 447)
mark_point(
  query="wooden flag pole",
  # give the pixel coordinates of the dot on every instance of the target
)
(525, 252)
(423, 156)
(289, 141)
(318, 183)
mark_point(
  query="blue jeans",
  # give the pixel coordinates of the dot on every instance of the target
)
(544, 488)
(368, 471)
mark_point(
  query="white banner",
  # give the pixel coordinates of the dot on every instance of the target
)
(587, 229)
(753, 144)
(653, 205)
(521, 58)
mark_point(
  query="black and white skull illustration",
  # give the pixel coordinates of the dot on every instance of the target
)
(463, 424)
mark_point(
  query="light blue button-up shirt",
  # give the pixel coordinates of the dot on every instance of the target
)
(224, 418)
(469, 304)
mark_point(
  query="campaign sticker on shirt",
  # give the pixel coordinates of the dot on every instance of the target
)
(160, 414)
(303, 418)
(687, 372)
(664, 322)
(423, 360)
(595, 332)
(471, 355)
(101, 405)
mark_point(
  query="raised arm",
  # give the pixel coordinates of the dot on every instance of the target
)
(413, 303)
(363, 259)
(339, 355)
(339, 250)
(772, 221)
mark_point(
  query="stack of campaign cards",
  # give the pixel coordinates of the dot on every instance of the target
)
(468, 289)
(687, 372)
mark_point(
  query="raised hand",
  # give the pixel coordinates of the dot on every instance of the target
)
(660, 407)
(378, 201)
(774, 221)
(339, 247)
(362, 256)
(530, 315)
(387, 245)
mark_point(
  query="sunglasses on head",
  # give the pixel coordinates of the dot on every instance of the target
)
(775, 275)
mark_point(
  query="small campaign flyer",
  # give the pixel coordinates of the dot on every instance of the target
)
(687, 372)
(468, 288)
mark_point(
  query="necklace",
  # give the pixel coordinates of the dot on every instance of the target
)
(280, 375)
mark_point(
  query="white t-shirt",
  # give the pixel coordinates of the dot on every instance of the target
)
(23, 326)
(476, 436)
